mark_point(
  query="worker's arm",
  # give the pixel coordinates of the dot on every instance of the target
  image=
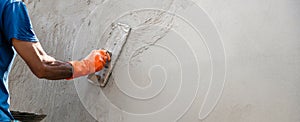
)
(44, 66)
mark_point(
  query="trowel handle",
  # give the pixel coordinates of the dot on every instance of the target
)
(109, 52)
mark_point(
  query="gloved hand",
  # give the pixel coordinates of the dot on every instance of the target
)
(94, 62)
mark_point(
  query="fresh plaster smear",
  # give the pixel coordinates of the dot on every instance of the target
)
(157, 77)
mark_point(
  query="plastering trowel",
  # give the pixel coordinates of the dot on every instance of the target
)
(114, 46)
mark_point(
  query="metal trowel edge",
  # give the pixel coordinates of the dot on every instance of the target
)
(114, 45)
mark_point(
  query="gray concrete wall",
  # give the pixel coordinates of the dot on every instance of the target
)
(188, 61)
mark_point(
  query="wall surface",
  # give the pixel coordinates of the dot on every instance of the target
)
(185, 60)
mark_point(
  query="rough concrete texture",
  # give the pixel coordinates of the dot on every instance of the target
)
(187, 61)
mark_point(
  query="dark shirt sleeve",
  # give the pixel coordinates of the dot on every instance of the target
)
(17, 24)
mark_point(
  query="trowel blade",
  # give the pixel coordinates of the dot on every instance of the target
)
(114, 45)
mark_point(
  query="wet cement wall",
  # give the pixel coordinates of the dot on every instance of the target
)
(201, 60)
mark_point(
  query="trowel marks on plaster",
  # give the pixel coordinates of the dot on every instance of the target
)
(171, 62)
(114, 45)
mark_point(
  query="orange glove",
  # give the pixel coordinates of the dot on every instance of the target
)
(94, 62)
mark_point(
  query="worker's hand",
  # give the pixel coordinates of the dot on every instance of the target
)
(94, 62)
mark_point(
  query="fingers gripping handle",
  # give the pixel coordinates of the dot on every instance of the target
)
(94, 62)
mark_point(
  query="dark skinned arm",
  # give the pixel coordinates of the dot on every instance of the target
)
(41, 64)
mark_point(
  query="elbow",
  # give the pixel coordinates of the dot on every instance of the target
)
(40, 72)
(40, 75)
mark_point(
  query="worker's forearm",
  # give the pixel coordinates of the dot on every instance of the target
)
(57, 70)
(41, 64)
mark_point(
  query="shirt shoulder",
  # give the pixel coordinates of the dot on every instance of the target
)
(12, 1)
(16, 22)
(5, 3)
